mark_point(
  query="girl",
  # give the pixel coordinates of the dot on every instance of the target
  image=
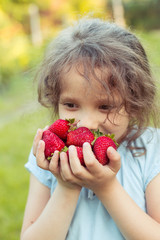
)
(97, 73)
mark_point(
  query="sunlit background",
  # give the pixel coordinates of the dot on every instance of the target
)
(26, 27)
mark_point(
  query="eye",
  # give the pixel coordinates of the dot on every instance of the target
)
(105, 107)
(70, 105)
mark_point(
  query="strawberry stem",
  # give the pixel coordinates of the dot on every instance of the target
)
(70, 120)
(99, 134)
(64, 149)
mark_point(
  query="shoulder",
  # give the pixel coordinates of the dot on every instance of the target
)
(139, 167)
(150, 136)
(150, 141)
(142, 161)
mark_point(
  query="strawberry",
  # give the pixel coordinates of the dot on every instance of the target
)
(79, 154)
(78, 136)
(61, 127)
(100, 147)
(52, 143)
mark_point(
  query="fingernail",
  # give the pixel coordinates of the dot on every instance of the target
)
(38, 131)
(56, 152)
(86, 144)
(111, 150)
(72, 147)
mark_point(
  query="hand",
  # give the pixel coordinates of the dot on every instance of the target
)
(54, 165)
(95, 176)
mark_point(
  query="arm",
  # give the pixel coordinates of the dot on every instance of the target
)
(49, 217)
(45, 217)
(153, 198)
(132, 221)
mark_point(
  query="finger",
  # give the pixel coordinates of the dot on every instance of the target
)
(65, 169)
(45, 128)
(54, 163)
(77, 169)
(114, 159)
(73, 158)
(66, 172)
(36, 140)
(42, 162)
(89, 158)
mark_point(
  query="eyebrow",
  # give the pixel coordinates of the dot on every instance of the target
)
(97, 101)
(68, 99)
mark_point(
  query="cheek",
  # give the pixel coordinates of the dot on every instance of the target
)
(115, 118)
(121, 121)
(121, 118)
(61, 112)
(64, 114)
(118, 124)
(122, 126)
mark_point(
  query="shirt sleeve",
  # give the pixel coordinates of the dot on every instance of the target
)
(152, 161)
(44, 176)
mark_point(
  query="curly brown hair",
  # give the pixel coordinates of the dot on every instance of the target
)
(95, 43)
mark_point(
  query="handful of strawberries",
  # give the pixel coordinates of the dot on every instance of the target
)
(62, 133)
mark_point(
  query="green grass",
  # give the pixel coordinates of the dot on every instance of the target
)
(21, 90)
(16, 142)
(17, 137)
(151, 43)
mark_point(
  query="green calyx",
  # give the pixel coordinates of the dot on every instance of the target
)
(112, 136)
(62, 150)
(72, 124)
(99, 134)
(49, 158)
(96, 135)
(70, 120)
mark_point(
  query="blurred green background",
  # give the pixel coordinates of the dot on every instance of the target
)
(26, 27)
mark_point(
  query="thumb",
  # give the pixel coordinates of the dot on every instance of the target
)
(114, 159)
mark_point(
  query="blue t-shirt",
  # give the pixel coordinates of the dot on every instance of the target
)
(91, 221)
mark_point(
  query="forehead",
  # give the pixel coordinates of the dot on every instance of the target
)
(79, 76)
(76, 82)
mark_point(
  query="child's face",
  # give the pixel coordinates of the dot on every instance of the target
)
(89, 105)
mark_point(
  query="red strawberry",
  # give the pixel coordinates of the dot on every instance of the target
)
(100, 147)
(52, 143)
(80, 155)
(78, 136)
(60, 127)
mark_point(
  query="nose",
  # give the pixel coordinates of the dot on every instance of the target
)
(88, 121)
